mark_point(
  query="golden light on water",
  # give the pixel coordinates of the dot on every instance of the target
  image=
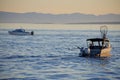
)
(58, 26)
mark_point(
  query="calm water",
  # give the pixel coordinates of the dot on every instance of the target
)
(50, 54)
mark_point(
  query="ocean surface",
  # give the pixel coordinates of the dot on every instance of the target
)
(51, 54)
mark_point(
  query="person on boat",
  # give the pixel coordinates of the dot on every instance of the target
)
(90, 45)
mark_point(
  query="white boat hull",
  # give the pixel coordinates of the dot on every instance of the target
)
(19, 33)
(105, 52)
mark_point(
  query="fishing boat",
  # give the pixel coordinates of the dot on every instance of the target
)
(20, 32)
(97, 47)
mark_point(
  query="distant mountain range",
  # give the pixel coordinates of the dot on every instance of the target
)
(74, 18)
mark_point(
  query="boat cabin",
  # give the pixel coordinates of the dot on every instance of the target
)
(98, 43)
(19, 30)
(97, 46)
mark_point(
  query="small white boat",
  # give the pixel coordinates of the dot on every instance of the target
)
(20, 32)
(97, 47)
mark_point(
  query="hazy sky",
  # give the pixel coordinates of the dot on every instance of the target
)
(62, 6)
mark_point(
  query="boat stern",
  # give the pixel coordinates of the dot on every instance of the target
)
(105, 52)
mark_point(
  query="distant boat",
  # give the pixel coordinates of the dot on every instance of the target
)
(97, 47)
(20, 32)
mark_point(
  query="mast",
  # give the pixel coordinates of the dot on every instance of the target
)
(103, 30)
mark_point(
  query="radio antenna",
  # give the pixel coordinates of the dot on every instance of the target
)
(103, 30)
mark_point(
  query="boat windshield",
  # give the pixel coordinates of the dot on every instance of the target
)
(19, 30)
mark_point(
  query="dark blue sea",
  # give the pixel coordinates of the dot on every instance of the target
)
(51, 54)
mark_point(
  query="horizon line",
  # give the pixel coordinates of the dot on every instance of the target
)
(61, 13)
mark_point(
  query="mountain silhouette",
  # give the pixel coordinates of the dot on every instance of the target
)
(74, 18)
